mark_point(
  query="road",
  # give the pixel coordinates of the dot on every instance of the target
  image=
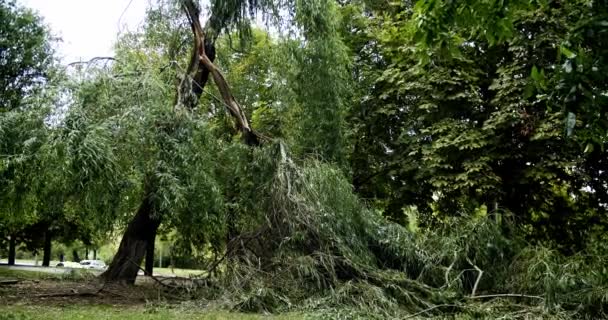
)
(53, 270)
(67, 270)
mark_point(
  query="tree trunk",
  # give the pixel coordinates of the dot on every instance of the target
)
(149, 269)
(132, 249)
(75, 256)
(12, 245)
(86, 253)
(94, 254)
(46, 257)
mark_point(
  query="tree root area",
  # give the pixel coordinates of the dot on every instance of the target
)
(88, 292)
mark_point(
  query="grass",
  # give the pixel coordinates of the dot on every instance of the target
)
(27, 312)
(178, 272)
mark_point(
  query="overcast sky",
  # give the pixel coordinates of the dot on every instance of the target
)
(89, 28)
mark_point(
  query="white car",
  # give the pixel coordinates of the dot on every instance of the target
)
(68, 264)
(92, 264)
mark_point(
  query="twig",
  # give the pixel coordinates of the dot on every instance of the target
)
(480, 274)
(429, 309)
(90, 61)
(151, 276)
(70, 294)
(121, 15)
(447, 272)
(73, 294)
(507, 295)
(232, 247)
(9, 281)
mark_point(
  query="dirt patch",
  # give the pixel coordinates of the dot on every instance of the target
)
(91, 291)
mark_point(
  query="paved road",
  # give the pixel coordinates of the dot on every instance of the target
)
(53, 270)
(63, 270)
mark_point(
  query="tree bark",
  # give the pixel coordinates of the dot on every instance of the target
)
(46, 257)
(125, 265)
(149, 268)
(12, 252)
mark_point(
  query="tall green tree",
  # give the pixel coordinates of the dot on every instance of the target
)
(464, 115)
(27, 55)
(26, 67)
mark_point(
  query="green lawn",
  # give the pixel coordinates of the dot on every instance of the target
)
(27, 312)
(178, 272)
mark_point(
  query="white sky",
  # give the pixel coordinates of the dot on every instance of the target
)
(88, 28)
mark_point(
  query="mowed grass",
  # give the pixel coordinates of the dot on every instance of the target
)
(178, 272)
(27, 312)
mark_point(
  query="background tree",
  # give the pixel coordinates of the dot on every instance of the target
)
(464, 119)
(27, 65)
(27, 55)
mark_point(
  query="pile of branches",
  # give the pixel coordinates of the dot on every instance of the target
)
(318, 248)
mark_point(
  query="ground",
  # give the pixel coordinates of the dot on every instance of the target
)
(79, 295)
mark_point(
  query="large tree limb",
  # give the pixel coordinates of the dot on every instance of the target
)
(204, 60)
(195, 78)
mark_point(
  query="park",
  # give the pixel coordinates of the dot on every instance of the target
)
(304, 159)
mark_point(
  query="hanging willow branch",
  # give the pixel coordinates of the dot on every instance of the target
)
(202, 62)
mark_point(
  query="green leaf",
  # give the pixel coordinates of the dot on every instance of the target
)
(535, 74)
(566, 52)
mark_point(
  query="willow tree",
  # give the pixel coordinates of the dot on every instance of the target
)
(140, 234)
(169, 151)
